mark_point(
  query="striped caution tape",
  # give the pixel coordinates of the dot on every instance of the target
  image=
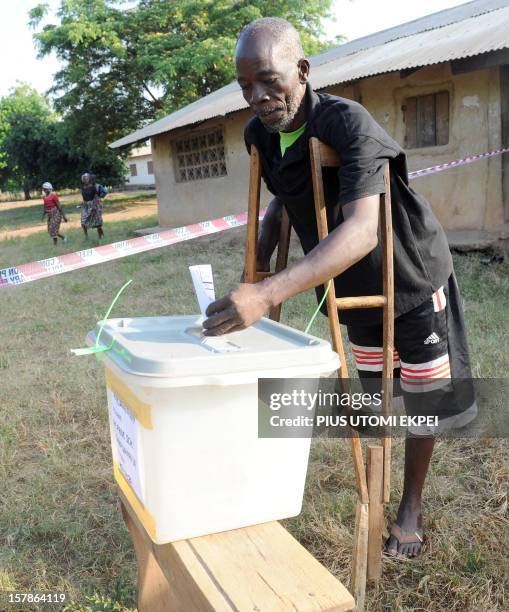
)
(36, 270)
(44, 268)
(455, 163)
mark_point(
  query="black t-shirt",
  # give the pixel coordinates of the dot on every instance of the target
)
(422, 260)
(88, 192)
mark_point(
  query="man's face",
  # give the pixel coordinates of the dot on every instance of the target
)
(273, 85)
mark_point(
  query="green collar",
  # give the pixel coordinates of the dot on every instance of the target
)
(286, 139)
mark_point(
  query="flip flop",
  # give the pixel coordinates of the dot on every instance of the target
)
(405, 538)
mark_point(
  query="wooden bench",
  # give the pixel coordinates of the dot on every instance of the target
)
(260, 568)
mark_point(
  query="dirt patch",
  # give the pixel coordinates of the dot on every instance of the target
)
(149, 207)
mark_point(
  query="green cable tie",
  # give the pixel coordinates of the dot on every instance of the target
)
(90, 350)
(308, 327)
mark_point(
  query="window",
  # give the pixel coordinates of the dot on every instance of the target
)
(150, 167)
(200, 156)
(426, 120)
(133, 169)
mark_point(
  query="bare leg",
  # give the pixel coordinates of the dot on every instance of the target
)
(100, 231)
(418, 453)
(85, 231)
(54, 240)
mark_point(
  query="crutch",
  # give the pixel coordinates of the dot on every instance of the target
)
(252, 275)
(375, 489)
(376, 486)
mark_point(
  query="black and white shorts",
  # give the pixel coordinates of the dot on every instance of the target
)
(431, 360)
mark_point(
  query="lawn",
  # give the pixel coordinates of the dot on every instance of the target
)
(25, 214)
(60, 528)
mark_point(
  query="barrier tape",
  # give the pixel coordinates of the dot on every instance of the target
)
(456, 163)
(44, 268)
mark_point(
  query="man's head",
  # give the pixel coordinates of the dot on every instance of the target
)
(86, 178)
(272, 72)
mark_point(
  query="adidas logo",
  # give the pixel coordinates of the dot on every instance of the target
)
(432, 339)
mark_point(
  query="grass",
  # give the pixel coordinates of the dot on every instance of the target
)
(27, 214)
(60, 528)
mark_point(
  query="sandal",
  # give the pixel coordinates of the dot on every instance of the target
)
(412, 542)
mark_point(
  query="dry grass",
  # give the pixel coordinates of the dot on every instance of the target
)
(60, 529)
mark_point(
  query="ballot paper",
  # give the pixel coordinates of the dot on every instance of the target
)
(203, 285)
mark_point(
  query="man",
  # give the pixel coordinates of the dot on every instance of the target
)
(429, 335)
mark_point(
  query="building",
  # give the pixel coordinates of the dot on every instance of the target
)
(140, 167)
(439, 85)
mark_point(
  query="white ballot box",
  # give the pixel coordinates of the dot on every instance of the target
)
(183, 416)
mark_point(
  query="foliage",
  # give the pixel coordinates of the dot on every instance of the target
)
(125, 64)
(36, 146)
(25, 124)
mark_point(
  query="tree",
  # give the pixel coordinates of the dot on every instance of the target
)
(36, 146)
(126, 66)
(25, 119)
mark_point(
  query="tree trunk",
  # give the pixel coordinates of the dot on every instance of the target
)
(26, 191)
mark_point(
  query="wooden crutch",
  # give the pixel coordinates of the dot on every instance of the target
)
(376, 489)
(367, 558)
(252, 275)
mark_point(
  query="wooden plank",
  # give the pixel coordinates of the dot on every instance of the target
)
(260, 567)
(360, 555)
(426, 136)
(358, 464)
(329, 157)
(375, 519)
(315, 150)
(285, 232)
(263, 567)
(153, 589)
(388, 323)
(186, 591)
(367, 301)
(252, 216)
(442, 117)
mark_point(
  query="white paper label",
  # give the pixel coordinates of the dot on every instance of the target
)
(203, 285)
(125, 434)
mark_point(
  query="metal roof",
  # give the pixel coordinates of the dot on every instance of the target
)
(464, 31)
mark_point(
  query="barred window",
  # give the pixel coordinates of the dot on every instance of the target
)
(133, 169)
(200, 156)
(150, 167)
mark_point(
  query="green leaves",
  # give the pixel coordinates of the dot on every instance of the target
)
(36, 146)
(125, 64)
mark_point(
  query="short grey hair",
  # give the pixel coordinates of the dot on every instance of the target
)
(282, 31)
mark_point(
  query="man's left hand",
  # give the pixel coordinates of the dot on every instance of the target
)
(242, 307)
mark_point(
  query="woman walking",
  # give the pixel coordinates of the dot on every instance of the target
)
(54, 211)
(92, 211)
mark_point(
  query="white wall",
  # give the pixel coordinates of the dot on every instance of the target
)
(143, 177)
